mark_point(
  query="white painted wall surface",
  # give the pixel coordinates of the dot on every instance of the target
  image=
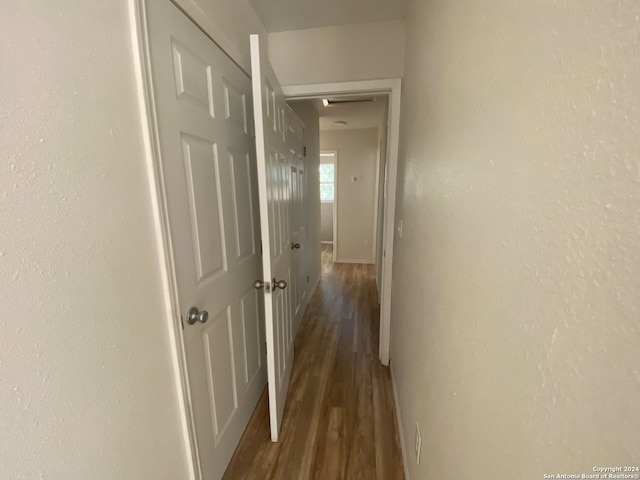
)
(311, 252)
(87, 389)
(356, 208)
(326, 222)
(338, 54)
(516, 286)
(229, 23)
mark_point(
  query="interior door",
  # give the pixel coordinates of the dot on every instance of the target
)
(202, 103)
(295, 143)
(275, 206)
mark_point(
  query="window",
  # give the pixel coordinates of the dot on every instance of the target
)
(327, 182)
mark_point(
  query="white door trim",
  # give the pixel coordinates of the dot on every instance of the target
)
(147, 110)
(391, 86)
(375, 213)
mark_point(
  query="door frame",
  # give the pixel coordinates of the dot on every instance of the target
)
(168, 278)
(168, 281)
(391, 87)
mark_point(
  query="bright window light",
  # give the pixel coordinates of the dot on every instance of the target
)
(327, 182)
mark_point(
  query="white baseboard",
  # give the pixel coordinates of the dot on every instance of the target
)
(405, 460)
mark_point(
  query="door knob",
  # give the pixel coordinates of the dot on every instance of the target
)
(196, 315)
(294, 245)
(258, 284)
(279, 284)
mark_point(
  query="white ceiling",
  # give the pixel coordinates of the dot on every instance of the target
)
(357, 115)
(281, 15)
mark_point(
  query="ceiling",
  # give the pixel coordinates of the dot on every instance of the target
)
(356, 115)
(282, 15)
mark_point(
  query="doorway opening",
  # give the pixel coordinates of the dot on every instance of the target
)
(389, 90)
(352, 128)
(328, 199)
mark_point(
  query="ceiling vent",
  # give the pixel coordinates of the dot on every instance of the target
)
(327, 102)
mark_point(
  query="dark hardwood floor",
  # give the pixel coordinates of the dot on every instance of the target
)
(339, 420)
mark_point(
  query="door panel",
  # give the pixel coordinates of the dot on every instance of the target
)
(243, 202)
(235, 103)
(205, 205)
(275, 206)
(209, 180)
(251, 335)
(295, 237)
(302, 195)
(221, 377)
(295, 143)
(192, 77)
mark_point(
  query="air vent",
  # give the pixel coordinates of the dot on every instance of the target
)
(327, 102)
(351, 100)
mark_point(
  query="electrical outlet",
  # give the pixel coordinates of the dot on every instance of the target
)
(418, 443)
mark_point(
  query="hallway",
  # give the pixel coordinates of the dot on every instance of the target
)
(339, 420)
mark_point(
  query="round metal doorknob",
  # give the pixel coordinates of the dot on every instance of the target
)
(196, 315)
(279, 284)
(295, 245)
(258, 284)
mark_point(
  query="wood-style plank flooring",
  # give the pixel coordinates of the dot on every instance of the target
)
(339, 420)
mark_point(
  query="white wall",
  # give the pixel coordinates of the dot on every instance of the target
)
(516, 293)
(311, 249)
(86, 385)
(356, 207)
(326, 222)
(229, 23)
(336, 54)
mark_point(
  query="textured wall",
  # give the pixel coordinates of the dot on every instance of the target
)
(356, 208)
(87, 389)
(338, 54)
(516, 296)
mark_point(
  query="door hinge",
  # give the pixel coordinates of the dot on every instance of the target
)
(305, 151)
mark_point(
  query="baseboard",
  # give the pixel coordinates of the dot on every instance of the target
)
(405, 460)
(327, 243)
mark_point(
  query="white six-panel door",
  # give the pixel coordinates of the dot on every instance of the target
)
(295, 144)
(275, 220)
(204, 128)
